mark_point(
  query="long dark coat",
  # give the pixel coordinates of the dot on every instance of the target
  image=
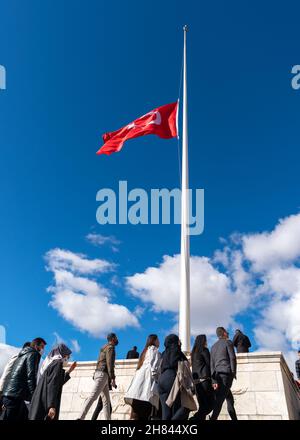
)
(48, 391)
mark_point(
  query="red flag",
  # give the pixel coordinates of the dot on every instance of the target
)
(160, 121)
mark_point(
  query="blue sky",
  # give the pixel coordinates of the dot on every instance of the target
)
(76, 70)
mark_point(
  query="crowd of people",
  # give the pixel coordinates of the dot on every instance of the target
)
(165, 384)
(163, 387)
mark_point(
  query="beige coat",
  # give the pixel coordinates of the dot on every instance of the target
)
(183, 383)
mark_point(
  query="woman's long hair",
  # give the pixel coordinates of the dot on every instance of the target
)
(151, 340)
(199, 345)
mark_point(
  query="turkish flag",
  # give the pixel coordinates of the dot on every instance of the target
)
(160, 121)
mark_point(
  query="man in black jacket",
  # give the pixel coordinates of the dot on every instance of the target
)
(22, 381)
(133, 354)
(223, 370)
(241, 342)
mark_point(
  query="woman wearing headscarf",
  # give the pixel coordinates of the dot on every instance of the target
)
(45, 403)
(142, 393)
(174, 383)
(202, 377)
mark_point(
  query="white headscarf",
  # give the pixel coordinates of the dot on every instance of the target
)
(60, 351)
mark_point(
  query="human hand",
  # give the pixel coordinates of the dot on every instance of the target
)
(72, 367)
(51, 413)
(113, 383)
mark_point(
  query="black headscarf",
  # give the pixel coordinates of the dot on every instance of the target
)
(172, 354)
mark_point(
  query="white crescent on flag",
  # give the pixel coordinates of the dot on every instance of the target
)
(157, 119)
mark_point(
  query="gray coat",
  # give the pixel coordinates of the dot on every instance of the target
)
(222, 358)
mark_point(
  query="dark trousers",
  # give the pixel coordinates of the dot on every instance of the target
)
(176, 411)
(156, 413)
(141, 410)
(205, 397)
(99, 408)
(223, 392)
(14, 409)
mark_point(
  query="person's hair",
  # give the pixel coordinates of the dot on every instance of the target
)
(26, 344)
(220, 332)
(135, 347)
(150, 341)
(199, 344)
(38, 341)
(111, 336)
(298, 350)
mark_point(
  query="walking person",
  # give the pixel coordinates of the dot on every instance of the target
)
(133, 354)
(9, 367)
(103, 376)
(241, 342)
(175, 381)
(45, 402)
(202, 377)
(6, 373)
(142, 393)
(99, 406)
(223, 371)
(22, 380)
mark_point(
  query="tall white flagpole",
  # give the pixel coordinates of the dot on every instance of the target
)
(184, 302)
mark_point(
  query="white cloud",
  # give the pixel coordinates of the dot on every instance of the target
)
(214, 301)
(99, 240)
(58, 339)
(82, 301)
(61, 259)
(282, 245)
(6, 352)
(274, 258)
(93, 314)
(2, 334)
(75, 346)
(66, 280)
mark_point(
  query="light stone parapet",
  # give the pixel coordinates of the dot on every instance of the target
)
(264, 389)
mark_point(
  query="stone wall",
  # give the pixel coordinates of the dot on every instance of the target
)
(264, 389)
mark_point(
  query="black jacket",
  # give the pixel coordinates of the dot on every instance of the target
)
(201, 364)
(168, 370)
(223, 358)
(22, 380)
(133, 354)
(241, 342)
(48, 391)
